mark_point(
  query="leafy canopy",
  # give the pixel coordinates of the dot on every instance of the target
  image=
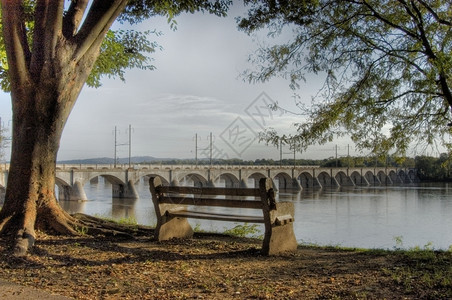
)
(387, 67)
(122, 49)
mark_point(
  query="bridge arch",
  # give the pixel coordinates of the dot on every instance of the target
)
(343, 180)
(119, 188)
(193, 179)
(394, 176)
(230, 180)
(146, 177)
(358, 179)
(412, 176)
(61, 182)
(404, 176)
(372, 178)
(384, 178)
(110, 178)
(326, 180)
(253, 179)
(67, 191)
(284, 181)
(306, 180)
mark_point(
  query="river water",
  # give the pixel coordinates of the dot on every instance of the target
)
(367, 217)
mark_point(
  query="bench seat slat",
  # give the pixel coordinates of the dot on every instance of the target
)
(209, 191)
(214, 216)
(256, 204)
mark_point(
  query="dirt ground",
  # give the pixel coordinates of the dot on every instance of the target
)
(212, 266)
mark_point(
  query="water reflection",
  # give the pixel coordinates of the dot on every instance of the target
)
(368, 217)
(73, 206)
(123, 208)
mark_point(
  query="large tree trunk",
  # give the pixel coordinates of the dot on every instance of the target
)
(46, 80)
(39, 114)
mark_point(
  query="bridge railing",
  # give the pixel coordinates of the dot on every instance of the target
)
(5, 166)
(172, 167)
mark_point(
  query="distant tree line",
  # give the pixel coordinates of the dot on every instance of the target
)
(434, 168)
(429, 168)
(342, 162)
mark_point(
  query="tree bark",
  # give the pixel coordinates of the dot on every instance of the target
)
(40, 112)
(45, 84)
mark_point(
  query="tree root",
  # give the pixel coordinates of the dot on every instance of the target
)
(92, 225)
(23, 240)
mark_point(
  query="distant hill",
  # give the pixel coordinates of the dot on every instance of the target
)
(108, 160)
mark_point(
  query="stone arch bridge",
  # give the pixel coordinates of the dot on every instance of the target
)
(70, 179)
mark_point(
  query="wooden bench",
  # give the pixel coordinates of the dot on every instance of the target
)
(174, 204)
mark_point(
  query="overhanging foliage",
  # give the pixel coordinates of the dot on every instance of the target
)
(387, 64)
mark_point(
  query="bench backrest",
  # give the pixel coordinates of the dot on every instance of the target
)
(202, 196)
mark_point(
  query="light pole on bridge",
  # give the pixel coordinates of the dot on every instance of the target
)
(196, 148)
(281, 153)
(130, 144)
(123, 144)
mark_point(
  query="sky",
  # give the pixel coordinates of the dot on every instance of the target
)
(196, 90)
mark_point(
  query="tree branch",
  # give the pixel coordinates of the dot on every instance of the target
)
(99, 19)
(15, 36)
(442, 76)
(48, 23)
(380, 17)
(420, 25)
(434, 14)
(73, 17)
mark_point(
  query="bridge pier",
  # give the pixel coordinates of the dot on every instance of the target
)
(388, 180)
(120, 190)
(326, 180)
(405, 177)
(395, 178)
(72, 193)
(242, 184)
(359, 180)
(334, 182)
(342, 180)
(372, 179)
(287, 183)
(294, 185)
(384, 179)
(306, 181)
(377, 180)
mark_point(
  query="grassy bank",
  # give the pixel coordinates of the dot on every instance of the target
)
(217, 266)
